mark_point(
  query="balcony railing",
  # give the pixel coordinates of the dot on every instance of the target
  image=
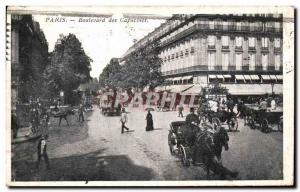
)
(211, 47)
(265, 49)
(258, 68)
(206, 27)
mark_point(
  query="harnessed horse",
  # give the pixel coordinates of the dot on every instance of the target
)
(208, 147)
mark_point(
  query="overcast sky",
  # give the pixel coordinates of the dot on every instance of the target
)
(100, 40)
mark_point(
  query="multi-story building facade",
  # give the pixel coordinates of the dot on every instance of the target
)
(228, 49)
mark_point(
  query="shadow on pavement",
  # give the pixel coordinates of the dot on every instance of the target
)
(88, 167)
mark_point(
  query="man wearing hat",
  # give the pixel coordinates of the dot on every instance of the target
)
(124, 120)
(192, 117)
(42, 152)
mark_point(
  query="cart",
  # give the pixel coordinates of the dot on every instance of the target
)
(220, 118)
(265, 119)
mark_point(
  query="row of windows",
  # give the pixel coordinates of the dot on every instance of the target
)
(238, 60)
(180, 54)
(239, 41)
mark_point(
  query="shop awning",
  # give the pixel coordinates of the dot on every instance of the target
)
(278, 89)
(266, 77)
(254, 77)
(279, 77)
(273, 77)
(187, 77)
(177, 79)
(195, 90)
(212, 76)
(253, 89)
(220, 76)
(247, 77)
(179, 88)
(239, 77)
(161, 88)
(227, 76)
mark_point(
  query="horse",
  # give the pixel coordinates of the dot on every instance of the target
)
(208, 147)
(245, 113)
(62, 115)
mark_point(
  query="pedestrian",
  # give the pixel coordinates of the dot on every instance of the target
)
(80, 113)
(14, 124)
(42, 152)
(263, 105)
(192, 117)
(124, 120)
(273, 104)
(180, 110)
(35, 120)
(230, 105)
(149, 119)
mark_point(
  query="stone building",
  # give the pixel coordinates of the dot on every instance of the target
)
(243, 52)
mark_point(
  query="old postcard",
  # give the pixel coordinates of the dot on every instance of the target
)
(150, 96)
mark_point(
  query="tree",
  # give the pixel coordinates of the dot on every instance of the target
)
(69, 67)
(107, 77)
(142, 68)
(33, 57)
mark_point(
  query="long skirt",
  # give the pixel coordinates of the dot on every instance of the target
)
(149, 126)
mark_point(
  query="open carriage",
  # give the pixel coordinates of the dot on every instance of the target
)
(265, 119)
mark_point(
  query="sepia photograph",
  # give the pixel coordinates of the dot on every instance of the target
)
(150, 96)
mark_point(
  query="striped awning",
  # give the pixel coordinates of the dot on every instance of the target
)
(247, 77)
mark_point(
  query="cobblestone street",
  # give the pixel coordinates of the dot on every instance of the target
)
(96, 150)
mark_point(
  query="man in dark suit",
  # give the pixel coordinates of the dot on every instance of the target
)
(42, 152)
(192, 117)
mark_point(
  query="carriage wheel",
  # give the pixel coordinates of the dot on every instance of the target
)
(216, 122)
(170, 143)
(251, 123)
(265, 126)
(184, 159)
(233, 124)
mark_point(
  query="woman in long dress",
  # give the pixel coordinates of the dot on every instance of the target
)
(149, 120)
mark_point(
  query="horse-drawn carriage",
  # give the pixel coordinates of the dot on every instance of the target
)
(264, 119)
(199, 146)
(220, 118)
(212, 108)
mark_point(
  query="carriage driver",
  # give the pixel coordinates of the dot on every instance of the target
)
(192, 117)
